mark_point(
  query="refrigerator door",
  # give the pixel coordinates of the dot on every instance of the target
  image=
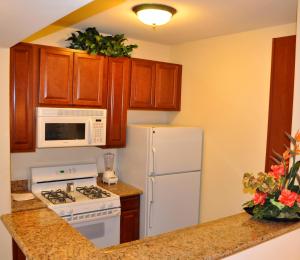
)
(173, 202)
(176, 149)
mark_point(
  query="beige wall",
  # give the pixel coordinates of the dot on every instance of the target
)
(5, 239)
(226, 90)
(296, 110)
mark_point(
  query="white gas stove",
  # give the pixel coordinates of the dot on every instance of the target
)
(72, 192)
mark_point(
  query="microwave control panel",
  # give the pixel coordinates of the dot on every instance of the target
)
(99, 131)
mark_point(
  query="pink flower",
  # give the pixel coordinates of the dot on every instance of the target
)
(288, 197)
(277, 171)
(259, 198)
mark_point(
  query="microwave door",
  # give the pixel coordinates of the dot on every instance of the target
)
(62, 131)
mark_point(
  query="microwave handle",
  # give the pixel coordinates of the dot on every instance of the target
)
(90, 137)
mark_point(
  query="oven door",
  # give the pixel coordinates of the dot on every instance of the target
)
(102, 232)
(62, 131)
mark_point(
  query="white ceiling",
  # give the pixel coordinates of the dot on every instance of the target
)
(21, 18)
(195, 19)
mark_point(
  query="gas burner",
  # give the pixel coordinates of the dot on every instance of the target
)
(58, 197)
(93, 192)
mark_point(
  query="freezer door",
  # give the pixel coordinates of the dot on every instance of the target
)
(173, 202)
(176, 149)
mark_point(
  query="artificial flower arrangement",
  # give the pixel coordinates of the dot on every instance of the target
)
(276, 193)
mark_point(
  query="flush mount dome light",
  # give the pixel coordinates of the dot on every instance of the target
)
(154, 14)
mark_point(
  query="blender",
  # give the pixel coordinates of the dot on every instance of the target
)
(109, 175)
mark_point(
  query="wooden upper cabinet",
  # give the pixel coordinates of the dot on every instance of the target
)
(118, 84)
(90, 80)
(56, 74)
(142, 84)
(168, 86)
(22, 98)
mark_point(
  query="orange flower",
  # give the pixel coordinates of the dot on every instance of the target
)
(259, 198)
(288, 197)
(297, 149)
(277, 171)
(297, 136)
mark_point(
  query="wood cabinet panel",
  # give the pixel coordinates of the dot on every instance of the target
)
(142, 84)
(90, 80)
(118, 84)
(129, 225)
(56, 74)
(281, 96)
(22, 98)
(130, 218)
(17, 252)
(168, 86)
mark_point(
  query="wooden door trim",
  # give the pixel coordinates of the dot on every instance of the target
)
(272, 101)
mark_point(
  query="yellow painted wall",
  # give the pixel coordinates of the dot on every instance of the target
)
(296, 103)
(225, 90)
(5, 239)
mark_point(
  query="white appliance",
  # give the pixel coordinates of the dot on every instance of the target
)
(93, 211)
(60, 127)
(164, 162)
(109, 175)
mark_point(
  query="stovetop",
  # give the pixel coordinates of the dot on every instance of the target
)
(60, 196)
(49, 184)
(93, 192)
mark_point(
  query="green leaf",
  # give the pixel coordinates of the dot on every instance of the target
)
(95, 43)
(279, 205)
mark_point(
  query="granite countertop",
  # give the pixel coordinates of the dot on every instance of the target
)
(42, 234)
(122, 189)
(211, 240)
(27, 205)
(21, 186)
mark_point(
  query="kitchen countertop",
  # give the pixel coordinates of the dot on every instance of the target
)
(122, 189)
(27, 205)
(211, 240)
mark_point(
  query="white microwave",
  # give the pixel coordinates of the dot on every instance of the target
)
(62, 127)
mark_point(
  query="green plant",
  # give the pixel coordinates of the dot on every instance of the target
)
(93, 42)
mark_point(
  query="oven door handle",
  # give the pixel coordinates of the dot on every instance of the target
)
(84, 220)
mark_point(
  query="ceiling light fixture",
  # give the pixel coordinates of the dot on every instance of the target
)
(154, 14)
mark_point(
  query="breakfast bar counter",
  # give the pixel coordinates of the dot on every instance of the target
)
(41, 234)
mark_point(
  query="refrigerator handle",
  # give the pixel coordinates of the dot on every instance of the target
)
(151, 202)
(153, 161)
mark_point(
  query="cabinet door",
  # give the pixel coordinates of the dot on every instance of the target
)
(90, 80)
(142, 84)
(118, 83)
(129, 225)
(22, 102)
(168, 86)
(56, 73)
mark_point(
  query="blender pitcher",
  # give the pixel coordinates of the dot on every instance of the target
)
(109, 175)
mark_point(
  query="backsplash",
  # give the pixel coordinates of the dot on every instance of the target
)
(22, 162)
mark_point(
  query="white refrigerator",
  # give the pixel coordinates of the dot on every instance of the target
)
(165, 163)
